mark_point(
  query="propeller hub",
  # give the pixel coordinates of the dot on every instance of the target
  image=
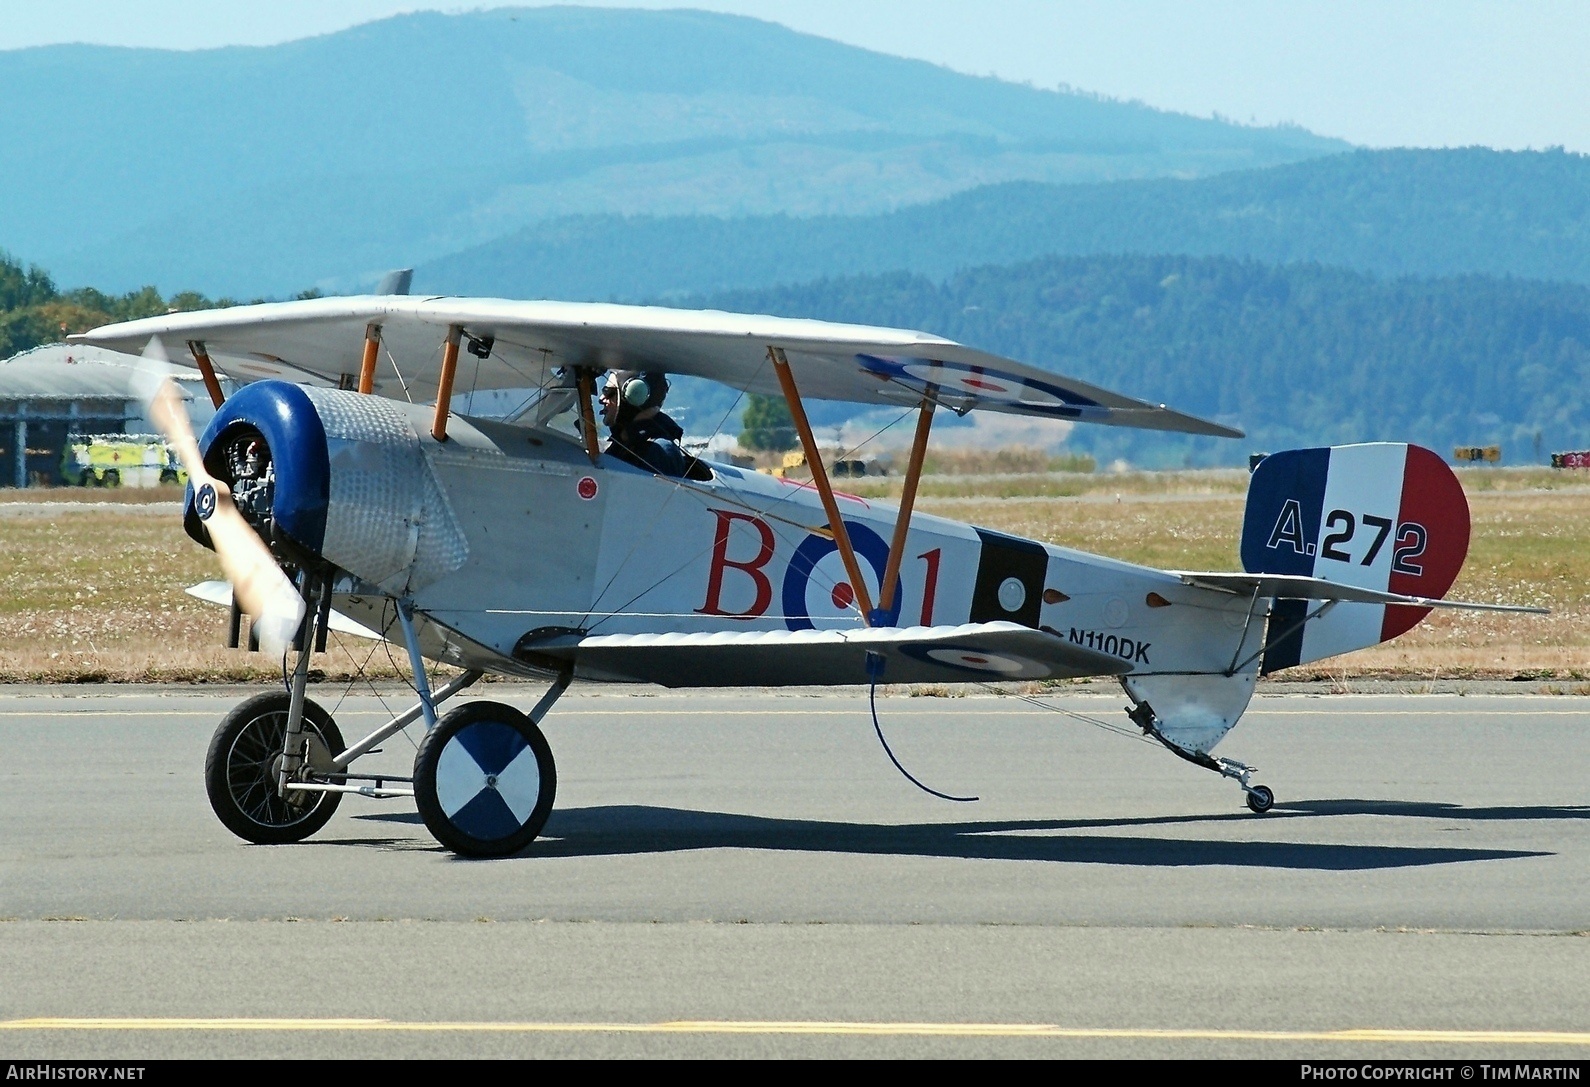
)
(204, 502)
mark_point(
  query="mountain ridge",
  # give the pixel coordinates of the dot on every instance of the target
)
(1390, 213)
(254, 170)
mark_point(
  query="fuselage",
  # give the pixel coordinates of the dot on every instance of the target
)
(555, 543)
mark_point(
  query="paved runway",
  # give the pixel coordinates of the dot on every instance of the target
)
(745, 874)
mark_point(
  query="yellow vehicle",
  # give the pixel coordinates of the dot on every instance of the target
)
(117, 460)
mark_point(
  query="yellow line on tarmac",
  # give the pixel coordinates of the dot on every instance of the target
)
(951, 1030)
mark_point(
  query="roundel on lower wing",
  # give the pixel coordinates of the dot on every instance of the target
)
(987, 383)
(1431, 537)
(978, 661)
(487, 780)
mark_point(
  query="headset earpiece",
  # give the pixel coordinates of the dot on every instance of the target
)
(636, 392)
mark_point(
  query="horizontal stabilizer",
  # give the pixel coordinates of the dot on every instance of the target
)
(1294, 587)
(974, 652)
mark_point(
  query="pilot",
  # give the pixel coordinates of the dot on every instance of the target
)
(641, 433)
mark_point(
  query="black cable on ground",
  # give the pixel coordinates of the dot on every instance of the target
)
(874, 670)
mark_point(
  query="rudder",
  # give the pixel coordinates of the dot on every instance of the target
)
(1385, 516)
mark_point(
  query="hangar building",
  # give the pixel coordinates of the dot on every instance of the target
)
(50, 394)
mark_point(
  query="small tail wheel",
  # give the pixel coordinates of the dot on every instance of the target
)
(484, 780)
(1260, 799)
(245, 757)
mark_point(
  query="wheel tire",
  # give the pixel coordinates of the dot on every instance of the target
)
(240, 771)
(1261, 799)
(111, 478)
(484, 780)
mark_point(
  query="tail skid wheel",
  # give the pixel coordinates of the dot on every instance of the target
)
(241, 769)
(1260, 799)
(484, 780)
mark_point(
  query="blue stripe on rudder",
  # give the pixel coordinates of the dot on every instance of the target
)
(1282, 519)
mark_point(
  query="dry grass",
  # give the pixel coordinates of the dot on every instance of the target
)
(1056, 484)
(121, 496)
(1527, 547)
(96, 594)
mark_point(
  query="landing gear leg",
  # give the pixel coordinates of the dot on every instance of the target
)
(1260, 798)
(264, 745)
(292, 755)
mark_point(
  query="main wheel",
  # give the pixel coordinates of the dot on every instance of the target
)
(484, 780)
(240, 771)
(1261, 799)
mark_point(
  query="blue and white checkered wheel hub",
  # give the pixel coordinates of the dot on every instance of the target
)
(484, 780)
(488, 780)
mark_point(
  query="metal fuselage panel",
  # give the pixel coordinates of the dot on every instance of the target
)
(555, 542)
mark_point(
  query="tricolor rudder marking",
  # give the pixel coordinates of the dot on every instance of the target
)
(1381, 516)
(1427, 564)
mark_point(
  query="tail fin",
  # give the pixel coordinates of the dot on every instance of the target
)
(1384, 516)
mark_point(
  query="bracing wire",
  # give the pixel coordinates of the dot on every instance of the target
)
(678, 485)
(761, 511)
(1106, 726)
(404, 385)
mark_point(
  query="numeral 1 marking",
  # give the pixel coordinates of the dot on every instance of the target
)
(930, 586)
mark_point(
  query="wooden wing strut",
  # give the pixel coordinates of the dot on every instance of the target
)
(587, 418)
(444, 387)
(372, 347)
(201, 357)
(825, 490)
(913, 475)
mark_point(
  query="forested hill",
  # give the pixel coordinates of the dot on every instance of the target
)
(251, 170)
(1296, 355)
(1401, 212)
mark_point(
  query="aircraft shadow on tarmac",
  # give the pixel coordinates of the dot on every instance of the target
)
(620, 830)
(1432, 809)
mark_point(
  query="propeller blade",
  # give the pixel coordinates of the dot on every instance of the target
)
(258, 584)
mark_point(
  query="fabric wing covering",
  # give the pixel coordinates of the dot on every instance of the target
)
(537, 345)
(986, 651)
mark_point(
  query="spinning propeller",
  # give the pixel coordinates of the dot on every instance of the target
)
(258, 585)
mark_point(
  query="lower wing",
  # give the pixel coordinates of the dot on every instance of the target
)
(958, 654)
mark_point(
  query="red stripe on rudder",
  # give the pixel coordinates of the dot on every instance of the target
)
(1432, 498)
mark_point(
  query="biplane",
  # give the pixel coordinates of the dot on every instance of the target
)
(341, 486)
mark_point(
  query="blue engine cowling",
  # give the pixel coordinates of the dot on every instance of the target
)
(292, 511)
(333, 477)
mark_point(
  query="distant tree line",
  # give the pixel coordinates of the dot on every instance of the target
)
(1295, 354)
(34, 311)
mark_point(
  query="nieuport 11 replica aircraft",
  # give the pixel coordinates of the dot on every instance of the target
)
(339, 485)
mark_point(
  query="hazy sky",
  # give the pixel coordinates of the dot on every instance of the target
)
(1505, 73)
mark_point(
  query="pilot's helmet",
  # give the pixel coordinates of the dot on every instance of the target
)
(635, 390)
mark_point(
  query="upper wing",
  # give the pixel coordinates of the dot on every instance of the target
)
(1295, 587)
(524, 344)
(970, 653)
